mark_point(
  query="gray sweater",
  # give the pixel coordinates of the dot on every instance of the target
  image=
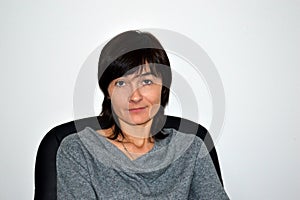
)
(177, 167)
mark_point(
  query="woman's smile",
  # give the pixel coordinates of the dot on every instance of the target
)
(137, 110)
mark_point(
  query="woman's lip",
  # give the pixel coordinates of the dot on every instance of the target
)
(137, 109)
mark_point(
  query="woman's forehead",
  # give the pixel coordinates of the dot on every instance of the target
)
(138, 71)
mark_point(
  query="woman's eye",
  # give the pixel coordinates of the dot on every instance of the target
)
(120, 83)
(147, 82)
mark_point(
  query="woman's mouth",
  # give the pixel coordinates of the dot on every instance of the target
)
(136, 110)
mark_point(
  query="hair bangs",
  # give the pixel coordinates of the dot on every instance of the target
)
(136, 62)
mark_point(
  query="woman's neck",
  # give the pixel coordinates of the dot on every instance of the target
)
(135, 144)
(138, 135)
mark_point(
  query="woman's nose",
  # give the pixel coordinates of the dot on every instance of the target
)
(136, 96)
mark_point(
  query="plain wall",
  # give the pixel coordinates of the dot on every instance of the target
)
(254, 45)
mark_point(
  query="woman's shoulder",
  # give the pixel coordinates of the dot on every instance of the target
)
(184, 143)
(182, 137)
(197, 146)
(70, 141)
(73, 142)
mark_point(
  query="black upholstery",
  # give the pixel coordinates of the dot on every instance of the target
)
(45, 166)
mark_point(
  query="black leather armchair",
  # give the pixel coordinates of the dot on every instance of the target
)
(45, 165)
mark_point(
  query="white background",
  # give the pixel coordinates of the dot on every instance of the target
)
(254, 45)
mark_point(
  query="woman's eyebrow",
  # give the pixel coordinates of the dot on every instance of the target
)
(144, 74)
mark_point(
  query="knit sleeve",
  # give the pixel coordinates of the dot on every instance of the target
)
(73, 179)
(205, 182)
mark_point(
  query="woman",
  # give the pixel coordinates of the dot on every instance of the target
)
(132, 157)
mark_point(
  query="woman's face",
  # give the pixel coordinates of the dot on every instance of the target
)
(136, 97)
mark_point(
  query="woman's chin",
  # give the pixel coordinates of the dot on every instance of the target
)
(138, 121)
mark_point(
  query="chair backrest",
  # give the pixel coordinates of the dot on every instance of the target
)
(45, 165)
